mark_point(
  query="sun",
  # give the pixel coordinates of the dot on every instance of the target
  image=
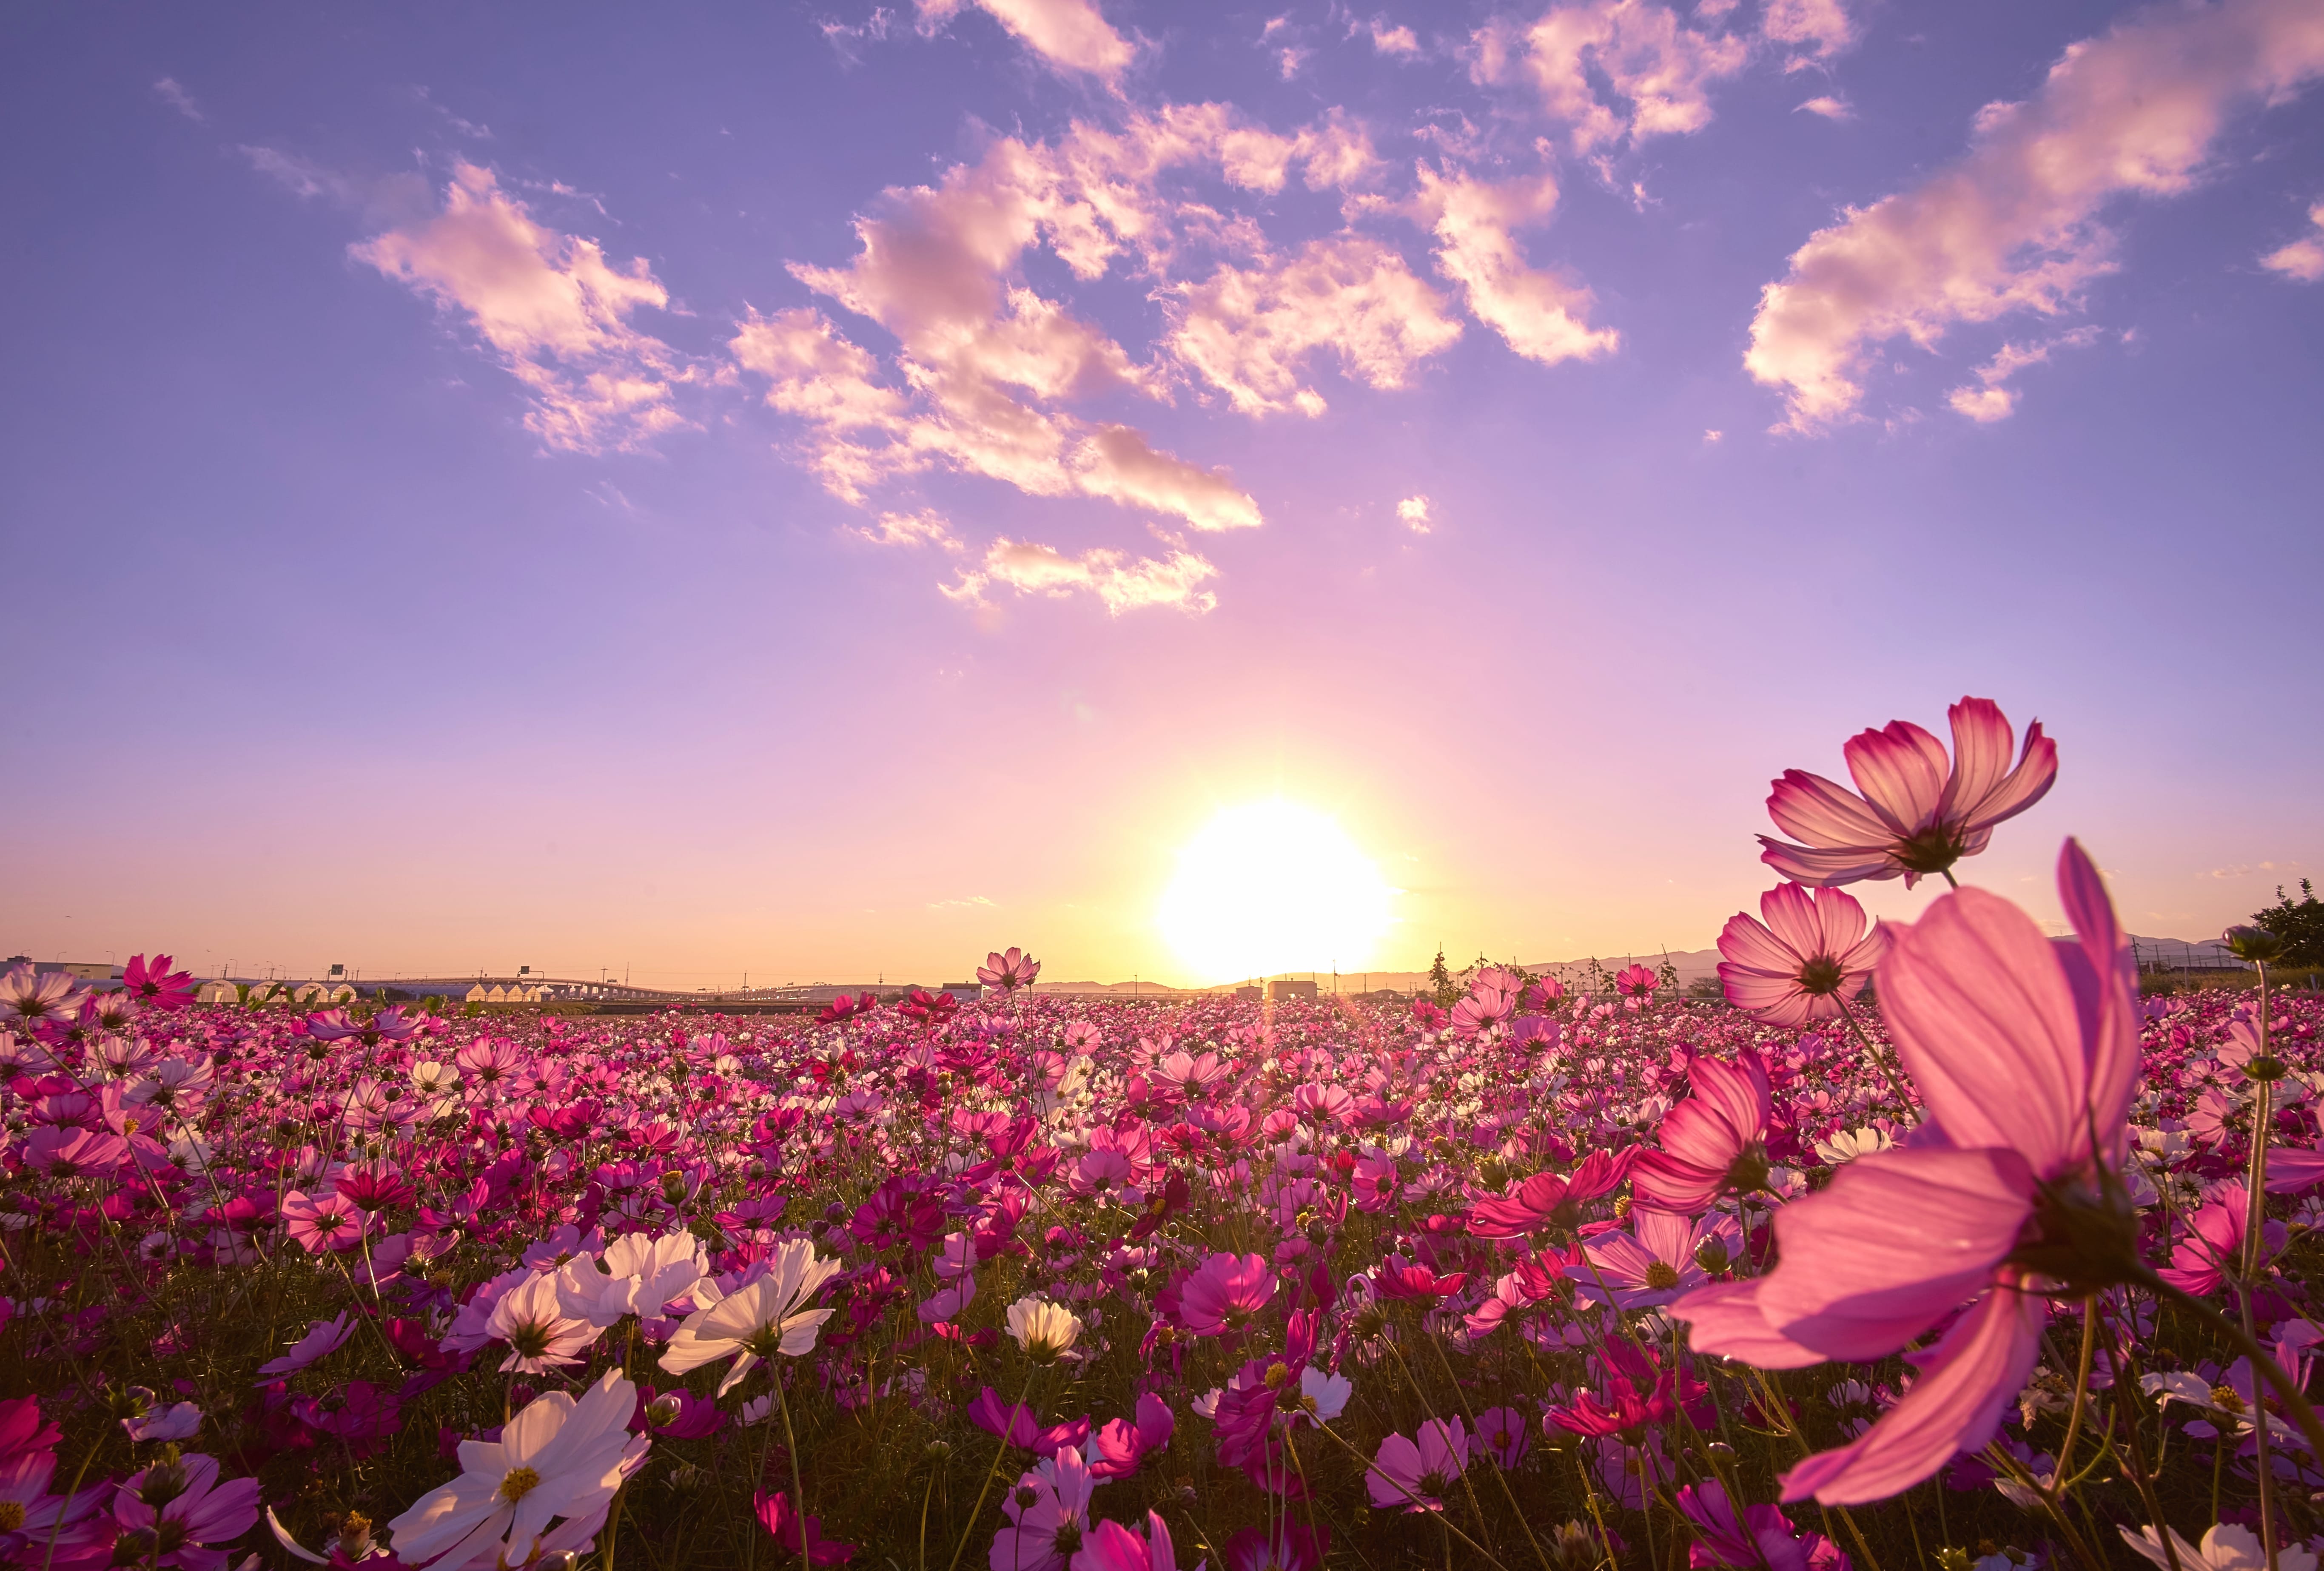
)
(1271, 887)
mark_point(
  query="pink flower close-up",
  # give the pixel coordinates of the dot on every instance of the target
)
(1914, 811)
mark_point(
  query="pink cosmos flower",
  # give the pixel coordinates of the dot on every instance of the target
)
(1485, 1007)
(2213, 1244)
(1122, 1444)
(36, 999)
(1919, 812)
(322, 1338)
(155, 983)
(1660, 1259)
(1284, 1546)
(1503, 1435)
(1547, 1201)
(1224, 1292)
(1110, 1547)
(1009, 970)
(1635, 984)
(1410, 1476)
(1714, 1141)
(65, 1151)
(1375, 1180)
(776, 1514)
(1758, 1538)
(320, 1222)
(175, 1511)
(1810, 954)
(2026, 1052)
(1048, 1516)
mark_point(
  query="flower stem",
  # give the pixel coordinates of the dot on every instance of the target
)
(798, 1484)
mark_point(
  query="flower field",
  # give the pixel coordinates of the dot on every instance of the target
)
(1983, 1265)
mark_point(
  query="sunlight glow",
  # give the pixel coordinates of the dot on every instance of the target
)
(1272, 887)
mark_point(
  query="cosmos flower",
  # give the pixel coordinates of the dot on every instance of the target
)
(2026, 1052)
(323, 1337)
(1757, 1538)
(1009, 971)
(1224, 1293)
(1919, 812)
(1414, 1476)
(170, 1513)
(153, 984)
(765, 1316)
(1810, 954)
(1712, 1144)
(1045, 1331)
(33, 998)
(2228, 1547)
(1048, 1516)
(531, 1319)
(558, 1461)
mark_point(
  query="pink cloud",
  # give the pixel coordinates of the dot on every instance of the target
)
(2303, 258)
(1542, 315)
(1070, 34)
(1813, 30)
(2013, 225)
(1991, 400)
(925, 527)
(1612, 68)
(550, 306)
(1249, 331)
(1120, 583)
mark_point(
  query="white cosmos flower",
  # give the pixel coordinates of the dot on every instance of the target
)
(1042, 1329)
(557, 1458)
(637, 1274)
(533, 1323)
(1327, 1394)
(763, 1317)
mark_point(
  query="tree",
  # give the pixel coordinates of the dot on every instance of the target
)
(1441, 983)
(2298, 923)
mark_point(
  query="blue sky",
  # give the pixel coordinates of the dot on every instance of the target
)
(825, 490)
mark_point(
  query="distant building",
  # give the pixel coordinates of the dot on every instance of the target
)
(1253, 994)
(1285, 988)
(80, 970)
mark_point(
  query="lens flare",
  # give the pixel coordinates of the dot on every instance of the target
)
(1271, 887)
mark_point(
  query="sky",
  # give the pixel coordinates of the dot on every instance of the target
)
(824, 491)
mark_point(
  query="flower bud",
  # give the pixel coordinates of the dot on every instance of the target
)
(2254, 943)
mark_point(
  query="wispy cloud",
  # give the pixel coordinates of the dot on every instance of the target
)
(550, 305)
(1119, 583)
(1828, 107)
(1543, 316)
(2303, 258)
(1413, 511)
(1612, 70)
(1071, 35)
(925, 527)
(1991, 399)
(167, 90)
(2012, 225)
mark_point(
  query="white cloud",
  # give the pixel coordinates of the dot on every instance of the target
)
(1070, 34)
(1396, 40)
(1249, 330)
(1413, 511)
(986, 360)
(1990, 399)
(925, 527)
(1612, 69)
(1120, 583)
(1714, 435)
(1813, 30)
(1542, 315)
(550, 306)
(2013, 224)
(1829, 107)
(2303, 258)
(167, 90)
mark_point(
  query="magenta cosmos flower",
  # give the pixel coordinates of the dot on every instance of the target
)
(174, 1511)
(1224, 1292)
(1715, 1141)
(1409, 1475)
(1919, 812)
(1810, 953)
(2026, 1052)
(1009, 971)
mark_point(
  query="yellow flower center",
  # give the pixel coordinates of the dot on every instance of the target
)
(12, 1515)
(1661, 1276)
(519, 1484)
